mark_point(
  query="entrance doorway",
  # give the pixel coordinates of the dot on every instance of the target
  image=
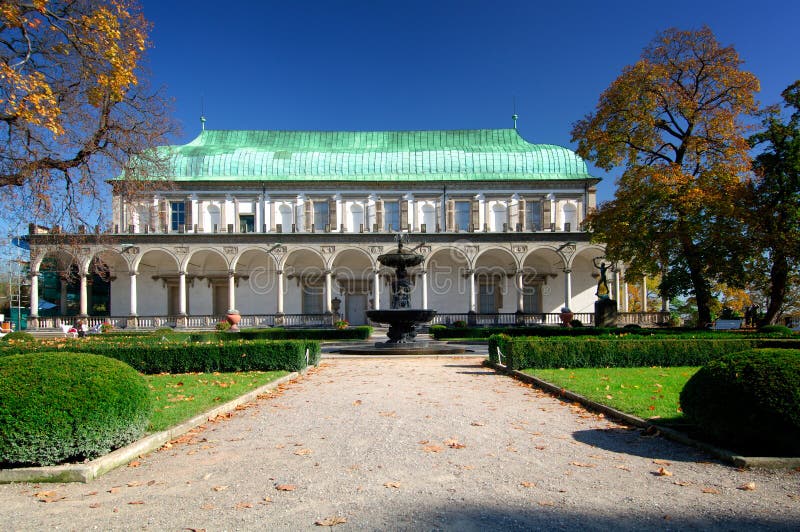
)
(355, 309)
(220, 299)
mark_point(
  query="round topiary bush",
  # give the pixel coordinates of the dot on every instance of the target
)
(749, 401)
(776, 329)
(64, 407)
(18, 336)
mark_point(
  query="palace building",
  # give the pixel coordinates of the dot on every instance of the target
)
(286, 227)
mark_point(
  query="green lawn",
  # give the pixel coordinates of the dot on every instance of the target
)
(644, 392)
(181, 396)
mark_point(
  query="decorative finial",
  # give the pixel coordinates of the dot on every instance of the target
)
(202, 123)
(514, 118)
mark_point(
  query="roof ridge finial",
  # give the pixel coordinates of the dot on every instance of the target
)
(202, 114)
(514, 116)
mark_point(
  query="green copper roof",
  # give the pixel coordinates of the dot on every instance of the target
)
(472, 155)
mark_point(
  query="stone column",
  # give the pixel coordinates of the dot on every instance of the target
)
(376, 290)
(425, 288)
(231, 290)
(616, 287)
(84, 296)
(568, 288)
(63, 296)
(472, 299)
(328, 291)
(520, 293)
(644, 293)
(182, 293)
(279, 273)
(625, 296)
(134, 310)
(34, 295)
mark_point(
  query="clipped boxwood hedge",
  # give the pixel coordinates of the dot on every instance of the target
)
(526, 352)
(361, 332)
(749, 401)
(152, 356)
(61, 407)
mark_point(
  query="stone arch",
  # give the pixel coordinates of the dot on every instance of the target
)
(207, 273)
(495, 269)
(157, 281)
(256, 281)
(108, 275)
(447, 280)
(304, 271)
(58, 281)
(353, 290)
(543, 280)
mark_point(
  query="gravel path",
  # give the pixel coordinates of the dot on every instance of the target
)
(422, 444)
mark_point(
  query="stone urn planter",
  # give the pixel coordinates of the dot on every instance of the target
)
(566, 317)
(233, 318)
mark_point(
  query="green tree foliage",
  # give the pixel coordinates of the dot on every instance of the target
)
(673, 122)
(775, 202)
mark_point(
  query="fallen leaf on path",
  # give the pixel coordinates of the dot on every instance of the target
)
(750, 486)
(136, 502)
(388, 414)
(134, 484)
(714, 491)
(540, 447)
(432, 449)
(661, 462)
(454, 444)
(302, 452)
(527, 484)
(94, 505)
(424, 442)
(285, 487)
(357, 402)
(243, 505)
(392, 484)
(220, 488)
(624, 468)
(663, 472)
(331, 521)
(682, 483)
(115, 489)
(135, 463)
(208, 506)
(582, 464)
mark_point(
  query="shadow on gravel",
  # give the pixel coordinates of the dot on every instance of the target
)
(636, 443)
(473, 366)
(476, 372)
(545, 515)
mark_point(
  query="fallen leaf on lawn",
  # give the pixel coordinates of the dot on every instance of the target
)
(527, 484)
(285, 487)
(392, 484)
(331, 521)
(432, 449)
(136, 502)
(220, 488)
(711, 490)
(663, 472)
(750, 486)
(242, 505)
(582, 464)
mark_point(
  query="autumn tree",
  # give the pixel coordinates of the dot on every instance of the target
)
(775, 201)
(74, 106)
(673, 122)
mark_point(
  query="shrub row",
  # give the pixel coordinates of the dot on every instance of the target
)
(526, 352)
(279, 333)
(59, 407)
(749, 401)
(440, 332)
(167, 357)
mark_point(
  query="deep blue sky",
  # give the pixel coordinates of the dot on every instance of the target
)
(408, 64)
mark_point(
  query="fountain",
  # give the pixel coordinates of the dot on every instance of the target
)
(401, 318)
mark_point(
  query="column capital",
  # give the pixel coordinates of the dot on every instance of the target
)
(182, 273)
(567, 270)
(231, 273)
(133, 273)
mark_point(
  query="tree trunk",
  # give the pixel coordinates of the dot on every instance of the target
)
(702, 291)
(778, 277)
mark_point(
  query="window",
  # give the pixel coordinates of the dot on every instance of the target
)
(321, 215)
(531, 300)
(285, 212)
(429, 217)
(213, 218)
(462, 215)
(178, 214)
(357, 217)
(570, 217)
(533, 216)
(391, 215)
(499, 217)
(312, 299)
(247, 223)
(488, 295)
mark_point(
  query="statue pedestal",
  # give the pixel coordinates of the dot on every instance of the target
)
(605, 313)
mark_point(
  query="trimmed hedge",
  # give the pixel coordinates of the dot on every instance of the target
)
(151, 356)
(749, 401)
(60, 407)
(440, 332)
(522, 353)
(280, 333)
(18, 336)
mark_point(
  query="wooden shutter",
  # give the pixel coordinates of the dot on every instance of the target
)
(379, 214)
(403, 215)
(187, 207)
(163, 216)
(309, 211)
(545, 215)
(332, 213)
(450, 221)
(523, 213)
(475, 215)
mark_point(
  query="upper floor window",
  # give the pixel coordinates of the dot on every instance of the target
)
(533, 216)
(391, 215)
(570, 217)
(321, 215)
(462, 215)
(247, 223)
(177, 214)
(213, 218)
